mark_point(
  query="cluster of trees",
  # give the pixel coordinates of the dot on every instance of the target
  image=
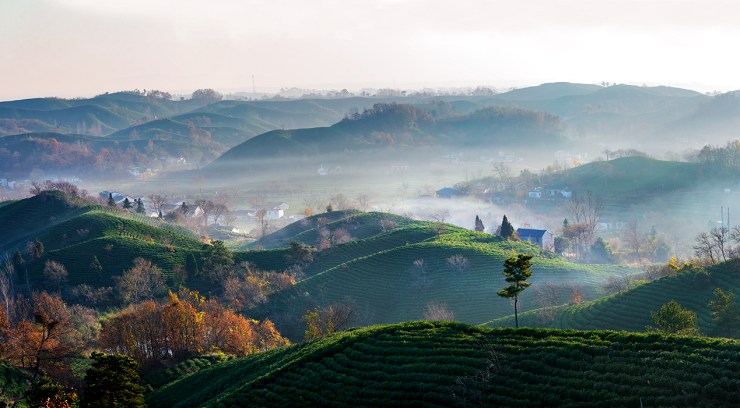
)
(20, 126)
(585, 212)
(51, 155)
(184, 326)
(717, 244)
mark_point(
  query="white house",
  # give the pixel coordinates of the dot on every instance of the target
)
(274, 214)
(322, 171)
(536, 193)
(558, 191)
(543, 238)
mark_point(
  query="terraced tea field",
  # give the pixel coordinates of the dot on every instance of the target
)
(440, 364)
(631, 310)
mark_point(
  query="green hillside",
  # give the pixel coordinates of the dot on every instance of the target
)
(378, 276)
(393, 129)
(631, 310)
(179, 131)
(548, 91)
(433, 364)
(13, 383)
(633, 176)
(285, 114)
(623, 99)
(70, 118)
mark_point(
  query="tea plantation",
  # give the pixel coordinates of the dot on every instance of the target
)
(377, 275)
(691, 288)
(443, 364)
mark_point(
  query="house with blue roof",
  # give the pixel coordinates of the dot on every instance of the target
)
(543, 238)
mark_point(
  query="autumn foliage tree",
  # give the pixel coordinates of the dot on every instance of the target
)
(185, 325)
(47, 341)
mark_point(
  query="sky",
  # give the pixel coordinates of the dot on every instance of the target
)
(70, 48)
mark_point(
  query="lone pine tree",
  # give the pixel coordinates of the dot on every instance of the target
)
(517, 272)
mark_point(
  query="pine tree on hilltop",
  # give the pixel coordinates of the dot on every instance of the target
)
(126, 204)
(479, 224)
(507, 230)
(111, 201)
(112, 381)
(191, 265)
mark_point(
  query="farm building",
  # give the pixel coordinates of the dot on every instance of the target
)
(543, 238)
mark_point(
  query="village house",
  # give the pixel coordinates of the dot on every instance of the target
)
(558, 191)
(612, 224)
(543, 238)
(536, 192)
(446, 193)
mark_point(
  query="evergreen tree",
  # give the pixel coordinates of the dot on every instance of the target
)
(49, 393)
(507, 230)
(479, 224)
(726, 312)
(673, 319)
(96, 268)
(111, 201)
(160, 214)
(112, 382)
(517, 272)
(18, 260)
(140, 207)
(184, 208)
(191, 265)
(217, 254)
(38, 250)
(566, 224)
(127, 204)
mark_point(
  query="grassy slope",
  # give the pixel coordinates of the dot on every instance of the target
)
(625, 99)
(76, 115)
(632, 176)
(548, 91)
(381, 282)
(631, 310)
(13, 382)
(418, 363)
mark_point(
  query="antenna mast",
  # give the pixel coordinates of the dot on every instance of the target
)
(254, 90)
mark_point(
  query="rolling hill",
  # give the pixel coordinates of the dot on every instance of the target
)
(443, 364)
(548, 91)
(630, 311)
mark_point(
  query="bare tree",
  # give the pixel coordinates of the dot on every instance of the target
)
(157, 201)
(440, 215)
(436, 311)
(229, 218)
(502, 170)
(341, 202)
(458, 263)
(56, 273)
(219, 209)
(207, 208)
(261, 215)
(634, 237)
(704, 247)
(587, 211)
(720, 239)
(547, 297)
(613, 285)
(363, 201)
(143, 281)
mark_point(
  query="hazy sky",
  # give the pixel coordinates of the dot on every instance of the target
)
(84, 47)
